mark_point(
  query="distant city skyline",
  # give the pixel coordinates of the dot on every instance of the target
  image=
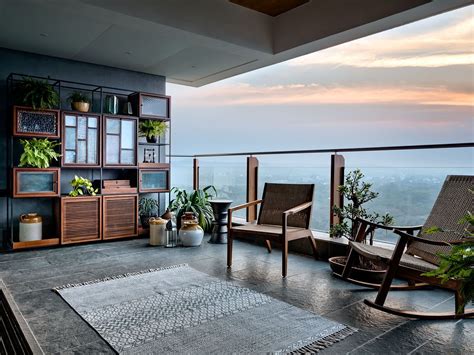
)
(409, 85)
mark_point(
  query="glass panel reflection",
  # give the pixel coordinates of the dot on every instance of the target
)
(113, 126)
(112, 148)
(128, 134)
(127, 157)
(36, 182)
(92, 146)
(155, 180)
(70, 138)
(70, 120)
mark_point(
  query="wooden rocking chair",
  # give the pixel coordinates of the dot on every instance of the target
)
(285, 215)
(420, 255)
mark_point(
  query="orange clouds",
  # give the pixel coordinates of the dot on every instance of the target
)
(298, 94)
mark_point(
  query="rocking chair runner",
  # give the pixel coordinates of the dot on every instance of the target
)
(420, 256)
(285, 214)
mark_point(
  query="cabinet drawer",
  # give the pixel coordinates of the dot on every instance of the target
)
(120, 216)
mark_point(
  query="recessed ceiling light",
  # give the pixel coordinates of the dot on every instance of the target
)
(193, 66)
(128, 53)
(43, 34)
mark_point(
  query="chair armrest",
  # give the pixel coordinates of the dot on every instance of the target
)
(428, 241)
(298, 208)
(245, 205)
(390, 228)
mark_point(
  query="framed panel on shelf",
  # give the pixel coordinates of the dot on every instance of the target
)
(154, 180)
(34, 182)
(81, 219)
(28, 122)
(81, 142)
(119, 141)
(153, 106)
(120, 216)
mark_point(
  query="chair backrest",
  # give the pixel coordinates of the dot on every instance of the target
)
(278, 198)
(452, 204)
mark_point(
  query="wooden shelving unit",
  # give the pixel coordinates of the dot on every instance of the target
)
(98, 145)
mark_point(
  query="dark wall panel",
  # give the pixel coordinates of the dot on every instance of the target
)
(34, 64)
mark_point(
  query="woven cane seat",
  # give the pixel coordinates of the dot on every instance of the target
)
(384, 255)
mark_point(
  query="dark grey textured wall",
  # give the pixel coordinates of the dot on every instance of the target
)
(34, 64)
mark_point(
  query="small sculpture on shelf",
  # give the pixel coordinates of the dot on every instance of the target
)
(149, 155)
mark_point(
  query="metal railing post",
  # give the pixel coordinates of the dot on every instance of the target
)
(252, 187)
(195, 174)
(337, 179)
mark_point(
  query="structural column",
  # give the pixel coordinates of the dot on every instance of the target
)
(195, 174)
(337, 179)
(252, 187)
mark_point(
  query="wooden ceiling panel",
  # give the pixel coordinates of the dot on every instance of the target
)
(270, 7)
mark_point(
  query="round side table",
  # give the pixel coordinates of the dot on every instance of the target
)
(219, 225)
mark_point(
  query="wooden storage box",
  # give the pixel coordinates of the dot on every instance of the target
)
(81, 219)
(120, 216)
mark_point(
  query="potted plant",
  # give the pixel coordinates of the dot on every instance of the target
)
(82, 187)
(38, 94)
(38, 153)
(79, 101)
(152, 129)
(147, 208)
(196, 202)
(357, 193)
(459, 263)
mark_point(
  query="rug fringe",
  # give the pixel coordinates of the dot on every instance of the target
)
(325, 342)
(108, 278)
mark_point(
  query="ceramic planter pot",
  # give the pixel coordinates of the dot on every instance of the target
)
(191, 233)
(151, 139)
(337, 264)
(81, 106)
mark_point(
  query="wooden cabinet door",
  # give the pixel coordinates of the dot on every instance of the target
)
(81, 219)
(81, 139)
(120, 216)
(120, 141)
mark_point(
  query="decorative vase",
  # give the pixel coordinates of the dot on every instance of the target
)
(31, 226)
(80, 106)
(190, 233)
(111, 104)
(151, 139)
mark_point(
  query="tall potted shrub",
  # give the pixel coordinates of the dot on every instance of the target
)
(357, 193)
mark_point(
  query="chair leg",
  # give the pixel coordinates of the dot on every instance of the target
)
(459, 303)
(313, 246)
(229, 250)
(349, 263)
(284, 258)
(269, 245)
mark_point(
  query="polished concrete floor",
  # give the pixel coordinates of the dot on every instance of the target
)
(30, 275)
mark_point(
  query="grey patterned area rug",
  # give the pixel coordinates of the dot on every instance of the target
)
(181, 310)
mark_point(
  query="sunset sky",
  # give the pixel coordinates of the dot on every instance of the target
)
(408, 85)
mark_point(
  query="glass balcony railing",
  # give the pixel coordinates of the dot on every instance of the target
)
(408, 179)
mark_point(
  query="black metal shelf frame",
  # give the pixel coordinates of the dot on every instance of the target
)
(98, 93)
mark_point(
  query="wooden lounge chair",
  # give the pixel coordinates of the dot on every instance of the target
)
(285, 215)
(415, 255)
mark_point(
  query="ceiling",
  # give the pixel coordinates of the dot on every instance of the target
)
(198, 42)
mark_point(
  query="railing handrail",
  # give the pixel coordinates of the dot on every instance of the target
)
(332, 150)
